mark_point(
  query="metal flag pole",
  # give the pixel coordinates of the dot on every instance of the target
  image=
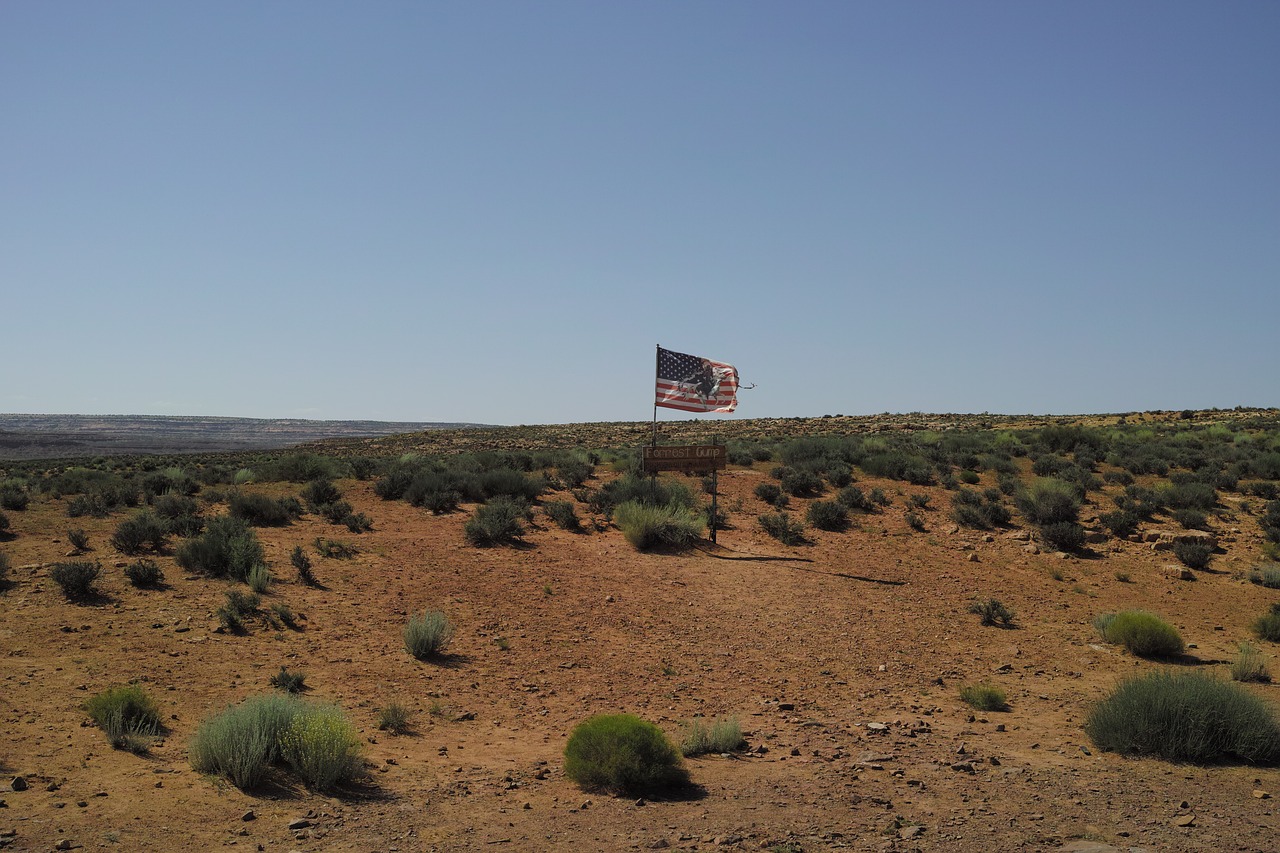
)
(657, 356)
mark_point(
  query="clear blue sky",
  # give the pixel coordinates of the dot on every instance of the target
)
(492, 211)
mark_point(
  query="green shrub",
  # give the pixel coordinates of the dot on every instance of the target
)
(129, 717)
(771, 493)
(15, 497)
(799, 482)
(620, 753)
(319, 493)
(259, 578)
(394, 718)
(4, 526)
(828, 515)
(915, 521)
(877, 497)
(645, 527)
(357, 522)
(289, 682)
(78, 539)
(919, 500)
(718, 736)
(302, 563)
(984, 697)
(1194, 555)
(243, 742)
(322, 747)
(142, 532)
(1191, 519)
(76, 579)
(1201, 496)
(1143, 634)
(171, 506)
(263, 511)
(1121, 523)
(239, 606)
(144, 573)
(334, 512)
(992, 612)
(335, 549)
(1063, 535)
(1268, 627)
(1185, 716)
(1249, 665)
(428, 635)
(780, 526)
(498, 522)
(899, 465)
(852, 497)
(1267, 575)
(563, 513)
(228, 548)
(1049, 501)
(4, 570)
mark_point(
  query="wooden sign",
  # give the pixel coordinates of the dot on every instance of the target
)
(691, 457)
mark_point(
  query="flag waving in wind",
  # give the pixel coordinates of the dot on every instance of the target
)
(694, 384)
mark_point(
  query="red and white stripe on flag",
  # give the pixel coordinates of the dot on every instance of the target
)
(694, 384)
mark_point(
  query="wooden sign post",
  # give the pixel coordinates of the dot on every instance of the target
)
(690, 459)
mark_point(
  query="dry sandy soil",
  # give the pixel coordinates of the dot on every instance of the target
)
(842, 658)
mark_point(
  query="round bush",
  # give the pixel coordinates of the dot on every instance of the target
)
(1142, 633)
(1050, 501)
(1193, 555)
(322, 747)
(76, 579)
(1185, 717)
(620, 753)
(828, 515)
(1063, 535)
(427, 635)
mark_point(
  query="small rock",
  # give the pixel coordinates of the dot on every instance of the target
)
(963, 767)
(1259, 794)
(973, 558)
(724, 840)
(1179, 573)
(609, 598)
(1185, 820)
(18, 783)
(877, 727)
(248, 816)
(526, 806)
(64, 844)
(299, 823)
(658, 844)
(910, 832)
(786, 706)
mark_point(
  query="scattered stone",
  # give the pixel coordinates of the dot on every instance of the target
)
(973, 558)
(658, 844)
(1179, 573)
(18, 783)
(299, 823)
(963, 767)
(877, 727)
(526, 805)
(786, 706)
(795, 750)
(910, 832)
(724, 840)
(1259, 794)
(1031, 549)
(64, 844)
(1185, 820)
(248, 816)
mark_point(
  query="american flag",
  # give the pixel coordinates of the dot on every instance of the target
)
(694, 384)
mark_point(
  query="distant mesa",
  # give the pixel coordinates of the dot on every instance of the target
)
(60, 436)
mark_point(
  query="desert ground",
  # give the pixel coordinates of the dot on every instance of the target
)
(842, 658)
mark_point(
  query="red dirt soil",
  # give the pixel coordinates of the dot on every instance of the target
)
(842, 659)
